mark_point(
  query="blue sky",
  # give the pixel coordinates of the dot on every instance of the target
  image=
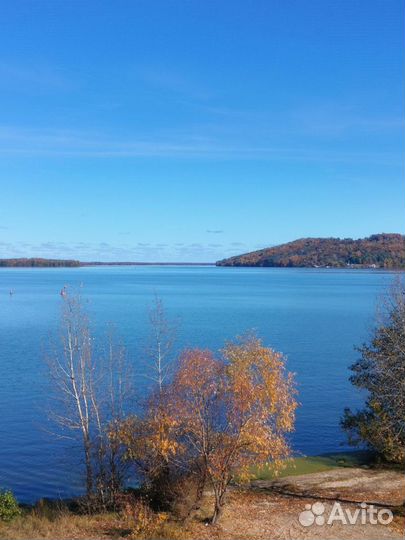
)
(194, 130)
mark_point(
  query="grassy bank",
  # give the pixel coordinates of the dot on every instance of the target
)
(314, 464)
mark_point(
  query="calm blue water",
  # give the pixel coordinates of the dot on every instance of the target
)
(314, 316)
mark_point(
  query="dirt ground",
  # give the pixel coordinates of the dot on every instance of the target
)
(384, 487)
(271, 510)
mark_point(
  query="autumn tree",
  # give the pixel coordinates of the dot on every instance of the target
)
(151, 448)
(233, 413)
(196, 409)
(173, 439)
(214, 420)
(380, 371)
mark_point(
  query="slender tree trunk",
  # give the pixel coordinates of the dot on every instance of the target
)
(89, 469)
(199, 494)
(200, 489)
(217, 513)
(219, 503)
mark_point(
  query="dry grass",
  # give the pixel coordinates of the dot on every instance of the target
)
(65, 525)
(62, 525)
(248, 515)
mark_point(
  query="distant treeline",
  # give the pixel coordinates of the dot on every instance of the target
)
(376, 251)
(43, 263)
(38, 262)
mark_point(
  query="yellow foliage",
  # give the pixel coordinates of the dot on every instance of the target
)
(142, 521)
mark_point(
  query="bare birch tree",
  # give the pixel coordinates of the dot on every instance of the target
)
(119, 394)
(160, 346)
(71, 370)
(91, 387)
(146, 437)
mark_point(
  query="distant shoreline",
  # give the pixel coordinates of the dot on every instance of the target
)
(146, 264)
(192, 264)
(71, 263)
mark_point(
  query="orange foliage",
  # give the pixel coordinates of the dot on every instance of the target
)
(217, 419)
(233, 413)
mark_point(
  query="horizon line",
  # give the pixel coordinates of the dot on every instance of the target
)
(82, 263)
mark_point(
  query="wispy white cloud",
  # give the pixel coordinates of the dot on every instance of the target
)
(33, 77)
(334, 119)
(28, 143)
(303, 138)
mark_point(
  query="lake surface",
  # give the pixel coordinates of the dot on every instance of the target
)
(315, 317)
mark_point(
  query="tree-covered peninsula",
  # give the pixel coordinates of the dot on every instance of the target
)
(376, 251)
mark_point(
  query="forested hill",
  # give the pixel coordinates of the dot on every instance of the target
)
(38, 262)
(376, 251)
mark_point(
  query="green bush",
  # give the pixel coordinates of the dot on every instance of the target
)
(9, 508)
(381, 372)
